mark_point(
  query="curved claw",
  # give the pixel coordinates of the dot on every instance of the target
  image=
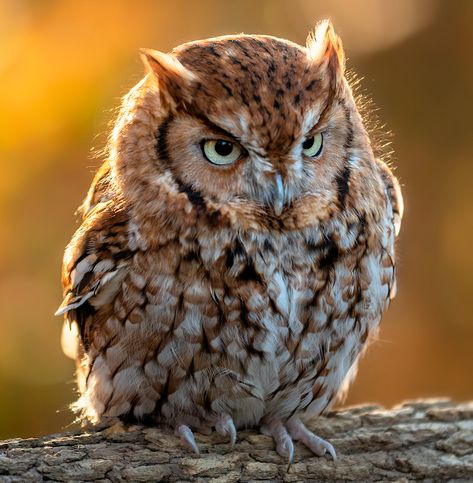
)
(285, 448)
(187, 437)
(225, 426)
(284, 444)
(331, 450)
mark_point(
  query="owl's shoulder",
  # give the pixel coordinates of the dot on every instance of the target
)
(100, 190)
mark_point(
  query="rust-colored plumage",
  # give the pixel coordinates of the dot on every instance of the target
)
(237, 247)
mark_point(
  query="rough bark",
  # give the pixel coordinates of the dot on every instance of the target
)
(422, 440)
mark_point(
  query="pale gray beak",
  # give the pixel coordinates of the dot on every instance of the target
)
(278, 197)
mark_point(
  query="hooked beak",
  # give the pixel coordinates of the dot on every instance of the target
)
(278, 197)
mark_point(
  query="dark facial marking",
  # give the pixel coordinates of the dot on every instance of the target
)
(161, 138)
(195, 197)
(343, 187)
(343, 178)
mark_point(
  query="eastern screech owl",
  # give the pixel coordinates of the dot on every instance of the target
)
(237, 246)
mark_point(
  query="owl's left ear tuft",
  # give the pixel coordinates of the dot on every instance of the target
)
(325, 46)
(174, 80)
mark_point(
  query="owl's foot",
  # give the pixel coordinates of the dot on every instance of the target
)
(283, 434)
(317, 445)
(187, 437)
(226, 427)
(284, 444)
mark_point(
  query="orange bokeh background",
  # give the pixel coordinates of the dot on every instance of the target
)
(64, 64)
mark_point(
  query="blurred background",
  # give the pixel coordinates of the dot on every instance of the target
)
(64, 64)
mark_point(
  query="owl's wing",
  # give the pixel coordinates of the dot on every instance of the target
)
(393, 191)
(95, 263)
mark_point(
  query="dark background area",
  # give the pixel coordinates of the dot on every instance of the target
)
(64, 64)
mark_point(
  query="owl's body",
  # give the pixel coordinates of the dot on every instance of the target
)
(210, 293)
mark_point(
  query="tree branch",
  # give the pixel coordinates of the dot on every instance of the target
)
(430, 439)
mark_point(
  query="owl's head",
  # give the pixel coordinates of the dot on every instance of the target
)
(254, 125)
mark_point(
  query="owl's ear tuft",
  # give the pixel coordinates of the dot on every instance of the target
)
(325, 47)
(174, 80)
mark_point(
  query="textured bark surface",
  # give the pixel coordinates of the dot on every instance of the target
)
(430, 440)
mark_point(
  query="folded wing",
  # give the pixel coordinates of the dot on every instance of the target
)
(94, 266)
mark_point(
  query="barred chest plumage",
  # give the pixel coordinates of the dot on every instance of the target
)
(254, 325)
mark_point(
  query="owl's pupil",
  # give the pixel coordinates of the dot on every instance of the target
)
(223, 148)
(308, 143)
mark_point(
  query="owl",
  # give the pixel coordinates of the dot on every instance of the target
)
(236, 251)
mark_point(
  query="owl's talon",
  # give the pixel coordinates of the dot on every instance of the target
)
(225, 426)
(187, 437)
(331, 450)
(317, 445)
(284, 444)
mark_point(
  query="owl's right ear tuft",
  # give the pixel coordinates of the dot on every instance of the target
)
(174, 80)
(325, 49)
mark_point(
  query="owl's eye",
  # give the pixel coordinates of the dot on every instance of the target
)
(312, 146)
(221, 152)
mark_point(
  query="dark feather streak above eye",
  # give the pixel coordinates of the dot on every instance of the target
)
(216, 128)
(219, 131)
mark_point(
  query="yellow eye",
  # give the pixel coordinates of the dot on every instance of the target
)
(221, 152)
(312, 146)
